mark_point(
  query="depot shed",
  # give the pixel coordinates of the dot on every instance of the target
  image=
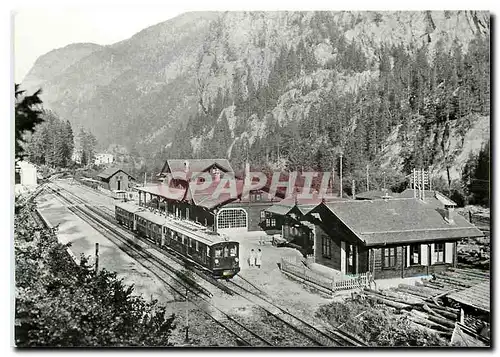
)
(116, 179)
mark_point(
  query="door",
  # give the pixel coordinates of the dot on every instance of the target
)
(351, 258)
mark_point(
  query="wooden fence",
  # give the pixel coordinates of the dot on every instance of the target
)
(352, 282)
(295, 266)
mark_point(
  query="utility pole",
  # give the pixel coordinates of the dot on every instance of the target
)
(187, 315)
(144, 178)
(367, 178)
(384, 179)
(423, 185)
(96, 257)
(340, 175)
(353, 189)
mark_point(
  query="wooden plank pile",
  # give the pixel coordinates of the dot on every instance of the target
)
(425, 303)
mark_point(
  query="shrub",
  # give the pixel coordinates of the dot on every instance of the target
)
(59, 303)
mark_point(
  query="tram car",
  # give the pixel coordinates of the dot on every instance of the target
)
(208, 250)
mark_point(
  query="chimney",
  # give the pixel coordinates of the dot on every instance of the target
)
(186, 166)
(247, 169)
(450, 214)
(216, 173)
(247, 174)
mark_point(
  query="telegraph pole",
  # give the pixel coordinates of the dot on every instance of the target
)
(367, 179)
(187, 315)
(96, 257)
(340, 175)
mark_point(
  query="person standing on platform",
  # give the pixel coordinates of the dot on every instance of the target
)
(258, 260)
(252, 258)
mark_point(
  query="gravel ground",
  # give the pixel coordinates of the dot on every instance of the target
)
(287, 293)
(93, 196)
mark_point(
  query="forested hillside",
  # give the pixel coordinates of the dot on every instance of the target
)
(292, 90)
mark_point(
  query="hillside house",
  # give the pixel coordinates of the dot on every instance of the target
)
(103, 159)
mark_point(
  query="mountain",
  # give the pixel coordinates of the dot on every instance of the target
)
(287, 89)
(55, 62)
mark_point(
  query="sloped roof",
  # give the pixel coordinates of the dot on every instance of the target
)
(477, 296)
(164, 191)
(464, 336)
(212, 197)
(375, 194)
(399, 220)
(196, 165)
(110, 171)
(305, 205)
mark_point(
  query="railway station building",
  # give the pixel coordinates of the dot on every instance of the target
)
(389, 238)
(384, 234)
(225, 213)
(114, 178)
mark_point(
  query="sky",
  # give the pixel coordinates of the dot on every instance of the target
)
(38, 31)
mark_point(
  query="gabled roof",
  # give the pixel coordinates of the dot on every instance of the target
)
(110, 171)
(164, 191)
(399, 221)
(477, 296)
(210, 197)
(304, 205)
(196, 165)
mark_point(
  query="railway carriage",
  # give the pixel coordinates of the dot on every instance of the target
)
(207, 249)
(124, 214)
(149, 225)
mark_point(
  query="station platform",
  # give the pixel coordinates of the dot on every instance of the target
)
(72, 229)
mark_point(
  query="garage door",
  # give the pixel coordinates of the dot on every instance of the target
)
(231, 220)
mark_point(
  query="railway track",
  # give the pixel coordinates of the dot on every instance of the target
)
(303, 330)
(104, 213)
(318, 335)
(243, 335)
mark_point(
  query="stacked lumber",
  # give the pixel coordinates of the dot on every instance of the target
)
(424, 303)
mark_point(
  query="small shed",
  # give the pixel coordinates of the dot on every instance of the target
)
(115, 178)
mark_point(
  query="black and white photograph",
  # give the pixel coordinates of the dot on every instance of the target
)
(245, 179)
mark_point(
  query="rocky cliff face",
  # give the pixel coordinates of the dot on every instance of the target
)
(207, 66)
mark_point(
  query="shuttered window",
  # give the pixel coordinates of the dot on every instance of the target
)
(415, 254)
(388, 257)
(439, 252)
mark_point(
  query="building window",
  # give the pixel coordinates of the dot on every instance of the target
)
(439, 252)
(388, 257)
(326, 245)
(262, 215)
(415, 254)
(232, 218)
(351, 254)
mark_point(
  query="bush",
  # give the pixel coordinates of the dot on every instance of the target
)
(59, 303)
